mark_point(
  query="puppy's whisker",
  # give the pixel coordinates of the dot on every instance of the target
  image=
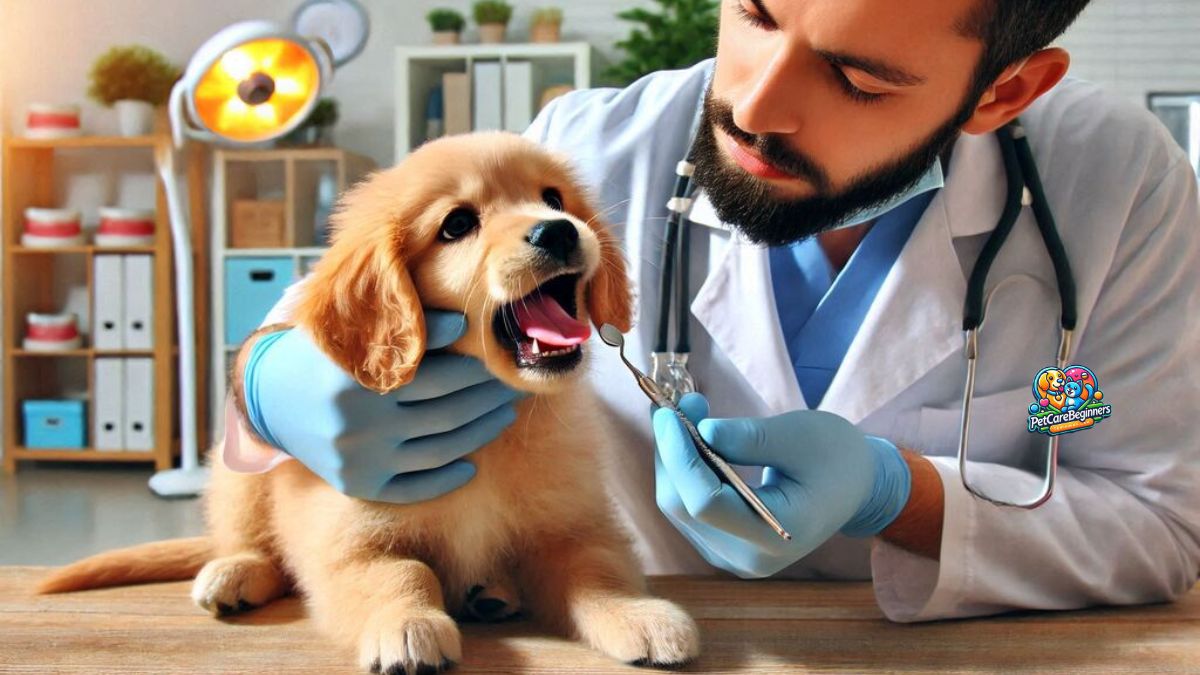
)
(607, 210)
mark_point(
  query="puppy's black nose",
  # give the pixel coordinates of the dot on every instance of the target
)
(556, 237)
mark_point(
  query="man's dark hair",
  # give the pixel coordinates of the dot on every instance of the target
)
(1012, 30)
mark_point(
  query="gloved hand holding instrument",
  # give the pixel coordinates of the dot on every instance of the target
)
(613, 337)
(821, 475)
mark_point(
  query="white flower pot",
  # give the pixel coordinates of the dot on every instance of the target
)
(134, 118)
(492, 33)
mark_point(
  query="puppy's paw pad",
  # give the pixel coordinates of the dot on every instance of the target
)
(408, 643)
(645, 631)
(236, 584)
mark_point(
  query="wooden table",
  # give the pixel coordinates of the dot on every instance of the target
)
(750, 627)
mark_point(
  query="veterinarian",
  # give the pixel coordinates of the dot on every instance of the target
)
(849, 177)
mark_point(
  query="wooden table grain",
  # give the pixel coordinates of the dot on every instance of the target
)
(747, 627)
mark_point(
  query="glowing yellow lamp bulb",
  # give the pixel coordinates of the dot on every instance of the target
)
(288, 69)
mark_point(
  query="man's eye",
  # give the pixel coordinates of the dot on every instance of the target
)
(461, 222)
(751, 18)
(854, 92)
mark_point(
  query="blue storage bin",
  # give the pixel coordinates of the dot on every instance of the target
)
(252, 287)
(53, 424)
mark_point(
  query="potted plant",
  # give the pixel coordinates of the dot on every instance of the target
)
(492, 17)
(134, 79)
(447, 25)
(317, 128)
(682, 34)
(546, 25)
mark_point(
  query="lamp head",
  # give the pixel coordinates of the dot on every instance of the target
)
(249, 83)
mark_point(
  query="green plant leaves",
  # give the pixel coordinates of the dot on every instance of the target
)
(682, 34)
(132, 72)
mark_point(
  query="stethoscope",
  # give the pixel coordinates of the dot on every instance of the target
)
(669, 362)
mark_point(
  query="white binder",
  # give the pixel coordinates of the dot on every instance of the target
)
(108, 424)
(486, 99)
(518, 95)
(139, 404)
(107, 308)
(139, 302)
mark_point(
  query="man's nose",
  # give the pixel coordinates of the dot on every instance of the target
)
(558, 238)
(768, 104)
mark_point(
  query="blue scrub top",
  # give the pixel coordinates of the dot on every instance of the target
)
(820, 311)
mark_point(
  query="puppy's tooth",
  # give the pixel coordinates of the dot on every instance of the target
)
(537, 349)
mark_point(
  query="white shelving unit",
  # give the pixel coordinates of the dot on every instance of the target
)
(287, 174)
(420, 69)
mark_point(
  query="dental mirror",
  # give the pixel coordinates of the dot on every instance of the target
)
(612, 337)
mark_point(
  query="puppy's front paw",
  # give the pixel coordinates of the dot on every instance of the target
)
(237, 583)
(407, 642)
(643, 631)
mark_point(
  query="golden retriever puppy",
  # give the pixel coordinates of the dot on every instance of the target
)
(491, 226)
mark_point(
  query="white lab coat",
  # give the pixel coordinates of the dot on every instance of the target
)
(1124, 524)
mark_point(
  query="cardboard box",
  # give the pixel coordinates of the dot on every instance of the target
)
(258, 224)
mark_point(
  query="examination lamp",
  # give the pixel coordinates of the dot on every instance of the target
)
(249, 84)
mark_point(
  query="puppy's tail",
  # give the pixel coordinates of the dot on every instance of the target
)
(170, 560)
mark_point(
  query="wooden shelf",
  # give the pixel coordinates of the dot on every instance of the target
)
(31, 172)
(30, 353)
(83, 455)
(85, 141)
(85, 351)
(90, 248)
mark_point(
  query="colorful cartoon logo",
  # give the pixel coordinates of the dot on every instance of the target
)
(1066, 400)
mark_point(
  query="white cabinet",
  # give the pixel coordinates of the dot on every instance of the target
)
(419, 70)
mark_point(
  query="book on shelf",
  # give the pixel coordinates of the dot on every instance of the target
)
(456, 103)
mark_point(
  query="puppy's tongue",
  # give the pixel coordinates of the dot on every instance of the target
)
(543, 319)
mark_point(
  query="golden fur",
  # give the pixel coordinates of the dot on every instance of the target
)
(534, 527)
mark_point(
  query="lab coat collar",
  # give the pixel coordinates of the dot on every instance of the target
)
(913, 324)
(736, 306)
(976, 185)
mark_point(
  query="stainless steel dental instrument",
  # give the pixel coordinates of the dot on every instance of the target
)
(724, 471)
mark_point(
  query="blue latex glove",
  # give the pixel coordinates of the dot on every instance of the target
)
(821, 476)
(401, 447)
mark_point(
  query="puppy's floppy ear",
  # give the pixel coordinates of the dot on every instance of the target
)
(609, 298)
(360, 304)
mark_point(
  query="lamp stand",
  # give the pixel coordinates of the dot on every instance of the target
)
(188, 480)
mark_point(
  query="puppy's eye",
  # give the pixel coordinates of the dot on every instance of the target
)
(461, 222)
(553, 198)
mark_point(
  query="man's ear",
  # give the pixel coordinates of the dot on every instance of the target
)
(360, 304)
(1017, 88)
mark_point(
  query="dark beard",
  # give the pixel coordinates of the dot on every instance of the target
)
(745, 202)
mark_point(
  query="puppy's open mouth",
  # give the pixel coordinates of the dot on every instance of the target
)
(541, 328)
